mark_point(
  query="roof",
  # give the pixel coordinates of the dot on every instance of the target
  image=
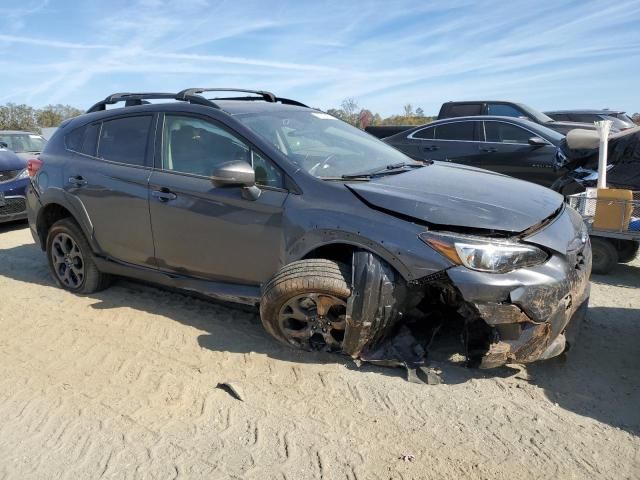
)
(522, 121)
(604, 111)
(16, 132)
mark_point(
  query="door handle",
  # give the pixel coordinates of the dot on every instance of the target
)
(164, 195)
(489, 149)
(77, 181)
(431, 148)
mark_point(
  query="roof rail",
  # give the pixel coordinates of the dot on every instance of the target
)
(132, 99)
(267, 96)
(191, 95)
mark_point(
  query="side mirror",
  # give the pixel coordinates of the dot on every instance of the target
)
(538, 142)
(237, 174)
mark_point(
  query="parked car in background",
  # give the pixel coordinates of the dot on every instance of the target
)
(512, 146)
(621, 121)
(507, 109)
(14, 178)
(26, 145)
(333, 233)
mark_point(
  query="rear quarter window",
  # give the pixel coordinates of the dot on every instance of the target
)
(83, 139)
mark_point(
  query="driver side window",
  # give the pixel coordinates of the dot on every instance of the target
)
(196, 146)
(192, 145)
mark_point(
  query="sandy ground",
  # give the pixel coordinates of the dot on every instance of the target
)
(121, 384)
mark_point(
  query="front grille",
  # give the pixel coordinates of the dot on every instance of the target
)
(13, 206)
(7, 175)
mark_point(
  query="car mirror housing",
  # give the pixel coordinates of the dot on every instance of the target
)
(537, 142)
(234, 174)
(237, 174)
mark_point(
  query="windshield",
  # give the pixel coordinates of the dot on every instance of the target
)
(321, 144)
(539, 116)
(23, 142)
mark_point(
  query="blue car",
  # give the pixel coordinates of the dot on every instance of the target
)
(14, 178)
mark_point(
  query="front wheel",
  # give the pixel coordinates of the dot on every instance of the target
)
(71, 259)
(305, 304)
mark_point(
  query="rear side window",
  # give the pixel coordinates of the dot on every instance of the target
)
(501, 110)
(124, 140)
(464, 110)
(561, 117)
(501, 132)
(425, 133)
(455, 131)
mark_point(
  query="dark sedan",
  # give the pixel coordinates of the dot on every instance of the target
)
(512, 146)
(14, 179)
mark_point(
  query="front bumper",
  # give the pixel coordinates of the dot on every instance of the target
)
(528, 310)
(15, 206)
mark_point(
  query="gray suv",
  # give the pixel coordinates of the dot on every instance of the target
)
(342, 241)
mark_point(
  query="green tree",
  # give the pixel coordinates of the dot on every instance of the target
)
(18, 117)
(54, 115)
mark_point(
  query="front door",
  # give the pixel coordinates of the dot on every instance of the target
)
(511, 153)
(213, 232)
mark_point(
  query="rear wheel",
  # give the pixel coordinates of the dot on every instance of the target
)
(627, 250)
(604, 255)
(71, 259)
(305, 304)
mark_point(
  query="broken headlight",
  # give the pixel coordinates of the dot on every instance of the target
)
(484, 254)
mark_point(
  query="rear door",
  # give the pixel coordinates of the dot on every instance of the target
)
(454, 141)
(212, 232)
(509, 152)
(108, 179)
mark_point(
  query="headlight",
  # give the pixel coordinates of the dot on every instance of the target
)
(23, 174)
(484, 254)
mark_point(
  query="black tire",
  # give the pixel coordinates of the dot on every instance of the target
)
(317, 290)
(66, 235)
(627, 250)
(605, 255)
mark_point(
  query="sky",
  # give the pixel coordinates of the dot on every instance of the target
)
(384, 54)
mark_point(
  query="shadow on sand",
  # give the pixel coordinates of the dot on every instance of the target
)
(598, 378)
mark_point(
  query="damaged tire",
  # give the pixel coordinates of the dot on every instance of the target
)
(604, 254)
(304, 305)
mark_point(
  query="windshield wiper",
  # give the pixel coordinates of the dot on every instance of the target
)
(389, 169)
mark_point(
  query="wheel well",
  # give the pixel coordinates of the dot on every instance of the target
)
(49, 215)
(339, 252)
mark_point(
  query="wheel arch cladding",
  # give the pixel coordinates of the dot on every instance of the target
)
(47, 216)
(376, 302)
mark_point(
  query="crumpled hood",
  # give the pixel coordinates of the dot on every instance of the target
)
(10, 161)
(455, 195)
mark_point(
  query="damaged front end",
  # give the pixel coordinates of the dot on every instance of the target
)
(516, 313)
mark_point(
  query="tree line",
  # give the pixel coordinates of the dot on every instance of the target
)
(351, 112)
(24, 117)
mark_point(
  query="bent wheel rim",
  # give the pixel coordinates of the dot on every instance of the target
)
(315, 321)
(68, 263)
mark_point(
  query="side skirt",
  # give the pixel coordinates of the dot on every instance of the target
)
(226, 292)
